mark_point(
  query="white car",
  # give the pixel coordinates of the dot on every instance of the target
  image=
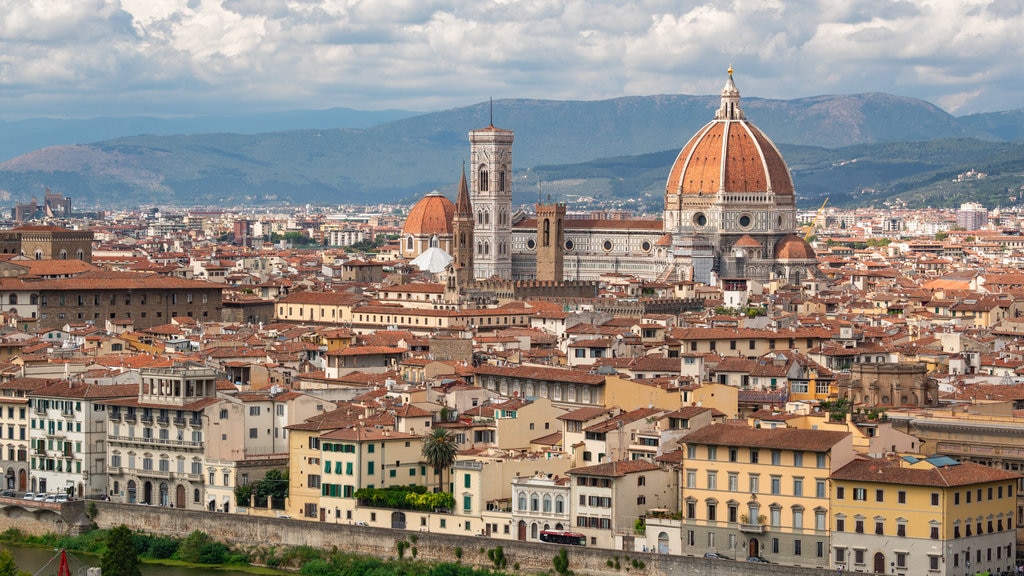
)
(40, 497)
(50, 498)
(29, 496)
(62, 497)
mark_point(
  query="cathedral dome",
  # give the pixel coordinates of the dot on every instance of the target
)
(793, 247)
(430, 216)
(729, 154)
(747, 241)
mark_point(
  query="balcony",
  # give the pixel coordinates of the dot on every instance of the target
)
(162, 420)
(129, 417)
(179, 421)
(752, 528)
(195, 422)
(147, 418)
(154, 441)
(114, 416)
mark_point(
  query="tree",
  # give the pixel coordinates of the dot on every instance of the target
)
(121, 557)
(439, 448)
(7, 565)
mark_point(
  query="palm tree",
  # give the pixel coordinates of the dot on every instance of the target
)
(439, 448)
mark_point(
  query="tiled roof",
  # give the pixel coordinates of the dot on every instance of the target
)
(615, 469)
(770, 438)
(891, 472)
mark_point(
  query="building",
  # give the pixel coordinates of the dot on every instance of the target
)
(971, 216)
(749, 492)
(47, 243)
(68, 435)
(915, 516)
(729, 211)
(428, 225)
(14, 430)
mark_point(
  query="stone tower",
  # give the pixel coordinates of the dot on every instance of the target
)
(550, 241)
(462, 233)
(491, 192)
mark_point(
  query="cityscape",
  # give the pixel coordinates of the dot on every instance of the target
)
(730, 379)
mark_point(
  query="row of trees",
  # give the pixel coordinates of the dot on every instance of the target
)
(274, 485)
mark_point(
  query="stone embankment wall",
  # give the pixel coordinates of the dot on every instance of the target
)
(246, 531)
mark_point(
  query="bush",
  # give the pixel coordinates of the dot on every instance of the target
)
(192, 546)
(213, 553)
(161, 547)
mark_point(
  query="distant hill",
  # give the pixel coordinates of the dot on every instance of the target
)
(612, 148)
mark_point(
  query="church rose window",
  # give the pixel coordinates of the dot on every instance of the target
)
(607, 245)
(531, 244)
(645, 246)
(569, 245)
(700, 219)
(745, 220)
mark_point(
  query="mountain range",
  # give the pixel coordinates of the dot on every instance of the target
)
(855, 149)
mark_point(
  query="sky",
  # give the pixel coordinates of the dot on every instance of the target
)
(88, 58)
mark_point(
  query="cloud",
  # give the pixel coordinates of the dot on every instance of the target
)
(84, 57)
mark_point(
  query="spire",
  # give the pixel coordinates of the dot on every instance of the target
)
(462, 204)
(730, 107)
(492, 112)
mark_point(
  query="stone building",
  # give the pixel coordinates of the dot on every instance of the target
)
(47, 243)
(902, 384)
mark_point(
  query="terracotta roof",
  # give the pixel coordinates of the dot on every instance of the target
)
(770, 438)
(887, 471)
(615, 469)
(431, 215)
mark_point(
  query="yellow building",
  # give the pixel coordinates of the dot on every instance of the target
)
(915, 516)
(749, 492)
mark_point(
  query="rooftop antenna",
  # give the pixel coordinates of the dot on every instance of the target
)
(492, 111)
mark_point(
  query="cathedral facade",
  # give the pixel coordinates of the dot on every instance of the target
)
(729, 212)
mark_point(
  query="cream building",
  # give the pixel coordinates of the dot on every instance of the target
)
(748, 492)
(915, 516)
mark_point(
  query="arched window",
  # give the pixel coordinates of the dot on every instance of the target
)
(546, 236)
(33, 299)
(39, 254)
(63, 254)
(80, 254)
(501, 180)
(547, 503)
(487, 217)
(559, 505)
(522, 500)
(534, 502)
(433, 241)
(408, 243)
(12, 299)
(482, 179)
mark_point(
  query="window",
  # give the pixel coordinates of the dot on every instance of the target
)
(713, 453)
(858, 556)
(754, 483)
(860, 494)
(858, 526)
(776, 516)
(798, 459)
(901, 497)
(753, 456)
(901, 529)
(712, 511)
(797, 548)
(732, 454)
(819, 519)
(819, 488)
(734, 482)
(776, 482)
(798, 486)
(840, 554)
(820, 460)
(935, 498)
(879, 495)
(901, 559)
(933, 562)
(776, 458)
(934, 533)
(691, 478)
(712, 480)
(879, 528)
(253, 433)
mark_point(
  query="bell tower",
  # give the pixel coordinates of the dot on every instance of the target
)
(490, 151)
(550, 242)
(462, 233)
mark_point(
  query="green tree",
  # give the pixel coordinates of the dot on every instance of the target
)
(121, 557)
(7, 565)
(439, 448)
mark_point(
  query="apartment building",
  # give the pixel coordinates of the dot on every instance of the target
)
(609, 498)
(14, 430)
(68, 435)
(914, 516)
(749, 492)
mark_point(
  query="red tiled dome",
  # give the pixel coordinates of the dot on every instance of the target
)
(431, 215)
(729, 154)
(793, 247)
(746, 241)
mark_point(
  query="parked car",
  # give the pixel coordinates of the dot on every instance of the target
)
(62, 498)
(716, 556)
(8, 493)
(29, 496)
(40, 497)
(757, 560)
(50, 498)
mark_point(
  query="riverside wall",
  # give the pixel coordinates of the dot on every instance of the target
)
(532, 557)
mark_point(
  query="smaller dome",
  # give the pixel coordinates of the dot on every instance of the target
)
(433, 260)
(431, 215)
(793, 247)
(746, 241)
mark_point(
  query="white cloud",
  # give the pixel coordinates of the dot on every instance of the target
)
(186, 56)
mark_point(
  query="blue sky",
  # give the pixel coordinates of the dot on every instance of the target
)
(84, 58)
